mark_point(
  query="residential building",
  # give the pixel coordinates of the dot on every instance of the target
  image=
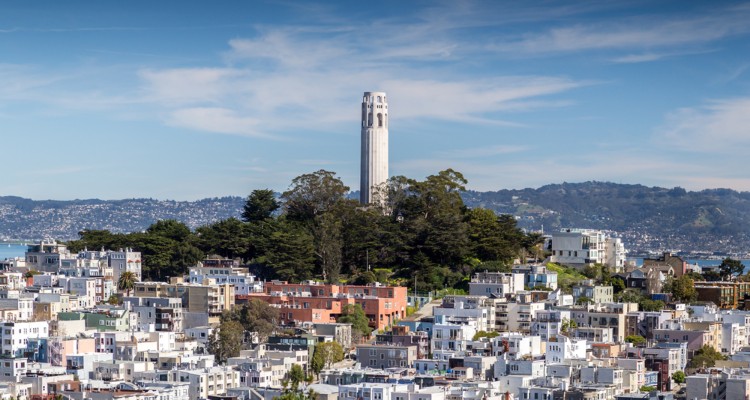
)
(593, 292)
(676, 263)
(495, 284)
(15, 336)
(386, 356)
(313, 302)
(536, 276)
(581, 247)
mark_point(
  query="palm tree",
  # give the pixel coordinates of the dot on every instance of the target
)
(127, 281)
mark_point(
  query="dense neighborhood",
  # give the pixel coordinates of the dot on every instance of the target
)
(85, 326)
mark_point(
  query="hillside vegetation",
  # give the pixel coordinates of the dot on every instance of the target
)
(648, 218)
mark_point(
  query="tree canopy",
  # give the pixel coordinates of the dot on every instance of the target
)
(682, 288)
(255, 316)
(325, 355)
(260, 205)
(731, 268)
(355, 315)
(706, 356)
(226, 341)
(420, 230)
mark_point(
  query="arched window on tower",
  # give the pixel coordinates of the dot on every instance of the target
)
(379, 99)
(369, 119)
(380, 120)
(386, 120)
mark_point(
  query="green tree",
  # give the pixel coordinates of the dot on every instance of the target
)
(731, 268)
(711, 276)
(290, 253)
(431, 220)
(593, 271)
(183, 256)
(647, 389)
(289, 394)
(364, 278)
(567, 325)
(295, 375)
(368, 237)
(260, 205)
(156, 251)
(313, 194)
(127, 281)
(487, 243)
(355, 315)
(229, 238)
(493, 266)
(97, 239)
(679, 377)
(682, 288)
(635, 339)
(651, 305)
(629, 296)
(618, 284)
(583, 300)
(325, 355)
(706, 356)
(483, 334)
(30, 273)
(170, 229)
(226, 341)
(328, 244)
(255, 316)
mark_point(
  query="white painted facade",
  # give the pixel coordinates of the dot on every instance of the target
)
(580, 247)
(565, 348)
(244, 282)
(371, 391)
(461, 309)
(14, 336)
(374, 157)
(548, 323)
(497, 284)
(450, 337)
(124, 261)
(519, 345)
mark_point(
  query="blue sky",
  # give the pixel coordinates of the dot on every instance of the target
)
(186, 100)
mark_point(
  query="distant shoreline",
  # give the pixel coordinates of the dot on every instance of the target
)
(18, 242)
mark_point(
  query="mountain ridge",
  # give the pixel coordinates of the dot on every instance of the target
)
(647, 218)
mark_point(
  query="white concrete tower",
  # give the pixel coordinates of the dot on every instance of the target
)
(374, 168)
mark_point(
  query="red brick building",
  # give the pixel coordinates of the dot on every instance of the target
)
(314, 302)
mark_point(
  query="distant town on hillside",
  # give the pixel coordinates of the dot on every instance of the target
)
(648, 219)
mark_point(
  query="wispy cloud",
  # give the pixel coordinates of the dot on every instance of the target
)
(733, 74)
(315, 72)
(485, 151)
(641, 32)
(718, 126)
(191, 85)
(655, 56)
(218, 120)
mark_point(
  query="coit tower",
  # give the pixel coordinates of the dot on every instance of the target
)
(374, 168)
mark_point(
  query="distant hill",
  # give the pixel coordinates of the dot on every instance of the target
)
(647, 218)
(30, 219)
